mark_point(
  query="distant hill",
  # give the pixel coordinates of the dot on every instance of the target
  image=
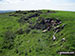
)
(5, 11)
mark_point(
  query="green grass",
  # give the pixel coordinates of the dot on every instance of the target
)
(39, 43)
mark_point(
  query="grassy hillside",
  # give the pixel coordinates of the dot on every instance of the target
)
(25, 33)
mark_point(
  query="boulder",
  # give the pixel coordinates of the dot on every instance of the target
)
(34, 15)
(63, 26)
(54, 38)
(25, 13)
(58, 30)
(63, 40)
(44, 30)
(57, 27)
(58, 21)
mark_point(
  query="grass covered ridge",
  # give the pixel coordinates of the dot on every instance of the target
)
(17, 38)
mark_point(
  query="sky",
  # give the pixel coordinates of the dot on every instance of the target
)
(67, 5)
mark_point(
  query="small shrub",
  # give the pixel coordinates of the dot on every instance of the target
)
(16, 51)
(9, 35)
(20, 31)
(0, 51)
(27, 30)
(23, 20)
(8, 39)
(30, 51)
(26, 54)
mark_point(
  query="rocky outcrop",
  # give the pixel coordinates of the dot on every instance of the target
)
(46, 23)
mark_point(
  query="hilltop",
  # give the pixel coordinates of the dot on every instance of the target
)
(37, 33)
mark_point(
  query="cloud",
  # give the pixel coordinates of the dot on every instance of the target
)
(65, 6)
(36, 4)
(11, 1)
(14, 1)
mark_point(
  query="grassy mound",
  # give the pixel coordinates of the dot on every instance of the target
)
(37, 33)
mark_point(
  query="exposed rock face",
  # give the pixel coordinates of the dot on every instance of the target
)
(46, 23)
